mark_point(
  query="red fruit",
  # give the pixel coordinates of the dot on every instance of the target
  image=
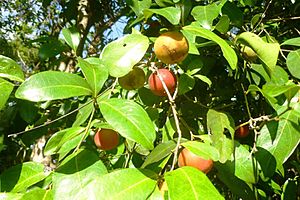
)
(187, 158)
(156, 85)
(242, 131)
(106, 139)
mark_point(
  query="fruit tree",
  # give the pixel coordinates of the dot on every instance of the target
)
(193, 99)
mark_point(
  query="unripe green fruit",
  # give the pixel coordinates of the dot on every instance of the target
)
(171, 47)
(248, 53)
(135, 79)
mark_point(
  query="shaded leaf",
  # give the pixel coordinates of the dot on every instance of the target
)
(83, 114)
(10, 69)
(52, 48)
(52, 85)
(190, 183)
(122, 54)
(130, 120)
(186, 83)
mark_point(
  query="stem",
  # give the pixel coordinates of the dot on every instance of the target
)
(87, 128)
(173, 107)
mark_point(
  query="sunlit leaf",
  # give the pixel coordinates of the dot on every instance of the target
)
(292, 61)
(130, 120)
(190, 183)
(10, 69)
(72, 37)
(122, 54)
(52, 85)
(172, 14)
(6, 89)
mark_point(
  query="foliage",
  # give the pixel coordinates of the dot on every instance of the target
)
(50, 113)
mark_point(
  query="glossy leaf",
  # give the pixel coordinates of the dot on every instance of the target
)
(74, 178)
(61, 137)
(204, 150)
(20, 177)
(172, 14)
(95, 74)
(6, 89)
(228, 52)
(160, 152)
(280, 139)
(72, 37)
(69, 146)
(292, 41)
(52, 85)
(122, 54)
(206, 14)
(38, 193)
(292, 61)
(130, 120)
(125, 184)
(190, 183)
(10, 69)
(83, 114)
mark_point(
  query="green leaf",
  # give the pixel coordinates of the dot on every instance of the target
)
(6, 89)
(276, 90)
(20, 177)
(244, 164)
(138, 6)
(204, 150)
(190, 183)
(289, 188)
(59, 138)
(225, 173)
(69, 146)
(280, 139)
(164, 3)
(10, 69)
(223, 24)
(266, 52)
(172, 14)
(38, 193)
(121, 55)
(130, 120)
(11, 196)
(292, 41)
(234, 13)
(72, 37)
(83, 114)
(292, 61)
(160, 152)
(228, 52)
(52, 48)
(95, 74)
(217, 122)
(52, 85)
(186, 83)
(205, 15)
(74, 177)
(203, 78)
(125, 184)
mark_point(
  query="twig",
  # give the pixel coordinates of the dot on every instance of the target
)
(263, 15)
(173, 107)
(50, 122)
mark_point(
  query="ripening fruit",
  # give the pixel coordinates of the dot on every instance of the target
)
(156, 85)
(187, 158)
(171, 47)
(248, 53)
(242, 131)
(106, 139)
(135, 79)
